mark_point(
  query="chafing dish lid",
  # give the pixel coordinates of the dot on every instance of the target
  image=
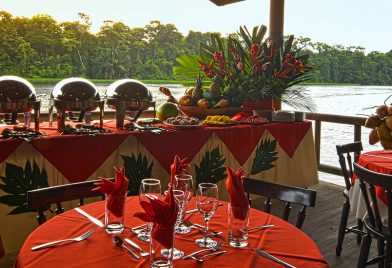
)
(127, 90)
(75, 89)
(13, 88)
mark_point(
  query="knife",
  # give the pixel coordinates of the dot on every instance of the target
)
(91, 218)
(196, 210)
(268, 256)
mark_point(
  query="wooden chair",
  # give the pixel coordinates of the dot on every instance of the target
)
(40, 198)
(288, 194)
(373, 223)
(348, 154)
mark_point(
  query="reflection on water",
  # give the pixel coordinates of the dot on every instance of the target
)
(343, 100)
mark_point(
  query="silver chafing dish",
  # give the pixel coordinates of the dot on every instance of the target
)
(128, 95)
(75, 95)
(18, 96)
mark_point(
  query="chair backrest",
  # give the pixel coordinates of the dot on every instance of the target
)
(369, 180)
(288, 194)
(348, 154)
(40, 198)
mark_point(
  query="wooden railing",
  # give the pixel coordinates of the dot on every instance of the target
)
(356, 121)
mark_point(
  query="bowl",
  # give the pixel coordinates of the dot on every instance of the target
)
(195, 111)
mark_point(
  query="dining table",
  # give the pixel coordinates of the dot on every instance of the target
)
(283, 240)
(378, 161)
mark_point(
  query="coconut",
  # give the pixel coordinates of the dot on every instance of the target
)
(373, 137)
(373, 121)
(382, 111)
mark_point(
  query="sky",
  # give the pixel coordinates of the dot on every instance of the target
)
(363, 23)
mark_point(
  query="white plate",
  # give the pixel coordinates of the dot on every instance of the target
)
(183, 126)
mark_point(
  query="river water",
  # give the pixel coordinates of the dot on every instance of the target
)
(342, 100)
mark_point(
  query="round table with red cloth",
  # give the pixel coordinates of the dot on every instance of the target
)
(284, 241)
(378, 161)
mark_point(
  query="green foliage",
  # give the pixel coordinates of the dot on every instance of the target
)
(211, 167)
(265, 156)
(41, 47)
(136, 169)
(17, 182)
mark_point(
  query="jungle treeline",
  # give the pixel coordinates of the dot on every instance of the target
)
(42, 47)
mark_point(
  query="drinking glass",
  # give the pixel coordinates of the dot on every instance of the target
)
(114, 213)
(149, 189)
(184, 184)
(238, 222)
(207, 200)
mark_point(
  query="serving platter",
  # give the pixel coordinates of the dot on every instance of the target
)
(200, 124)
(221, 125)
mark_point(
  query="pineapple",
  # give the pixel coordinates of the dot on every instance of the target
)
(197, 92)
(216, 85)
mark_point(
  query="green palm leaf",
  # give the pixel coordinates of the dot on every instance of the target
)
(188, 68)
(211, 167)
(17, 182)
(136, 169)
(265, 156)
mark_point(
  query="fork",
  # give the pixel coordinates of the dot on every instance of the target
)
(198, 227)
(215, 248)
(76, 239)
(201, 259)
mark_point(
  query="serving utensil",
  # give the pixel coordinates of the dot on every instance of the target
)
(201, 259)
(76, 239)
(218, 246)
(119, 242)
(268, 256)
(91, 218)
(142, 252)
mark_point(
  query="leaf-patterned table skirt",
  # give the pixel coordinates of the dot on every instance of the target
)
(277, 152)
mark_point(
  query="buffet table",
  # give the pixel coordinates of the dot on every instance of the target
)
(378, 161)
(283, 241)
(73, 158)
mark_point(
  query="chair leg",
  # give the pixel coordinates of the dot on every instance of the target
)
(380, 249)
(388, 259)
(364, 253)
(360, 227)
(342, 226)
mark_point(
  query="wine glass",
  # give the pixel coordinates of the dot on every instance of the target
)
(207, 200)
(149, 189)
(184, 184)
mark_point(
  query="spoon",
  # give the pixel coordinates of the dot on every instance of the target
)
(119, 242)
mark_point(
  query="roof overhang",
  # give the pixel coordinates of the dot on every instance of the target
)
(224, 2)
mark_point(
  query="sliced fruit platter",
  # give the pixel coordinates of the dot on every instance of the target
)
(219, 121)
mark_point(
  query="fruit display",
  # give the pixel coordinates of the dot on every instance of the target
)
(166, 110)
(183, 121)
(381, 125)
(218, 120)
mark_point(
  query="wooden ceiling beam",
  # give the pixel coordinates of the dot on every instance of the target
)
(224, 2)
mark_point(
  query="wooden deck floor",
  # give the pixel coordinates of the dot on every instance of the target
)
(321, 225)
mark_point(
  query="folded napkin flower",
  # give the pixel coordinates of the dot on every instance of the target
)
(235, 188)
(164, 216)
(115, 191)
(178, 167)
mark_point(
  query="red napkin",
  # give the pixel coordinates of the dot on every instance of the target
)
(235, 188)
(115, 190)
(164, 213)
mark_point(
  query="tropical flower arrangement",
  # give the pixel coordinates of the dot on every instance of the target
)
(247, 67)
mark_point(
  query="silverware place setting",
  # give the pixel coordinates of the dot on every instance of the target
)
(120, 243)
(217, 247)
(200, 228)
(68, 241)
(142, 252)
(270, 257)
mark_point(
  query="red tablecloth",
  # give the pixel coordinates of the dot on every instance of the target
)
(283, 241)
(378, 161)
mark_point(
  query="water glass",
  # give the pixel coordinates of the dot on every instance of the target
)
(183, 184)
(207, 201)
(158, 247)
(238, 222)
(149, 189)
(114, 213)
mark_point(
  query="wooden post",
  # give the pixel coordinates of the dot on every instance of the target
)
(276, 19)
